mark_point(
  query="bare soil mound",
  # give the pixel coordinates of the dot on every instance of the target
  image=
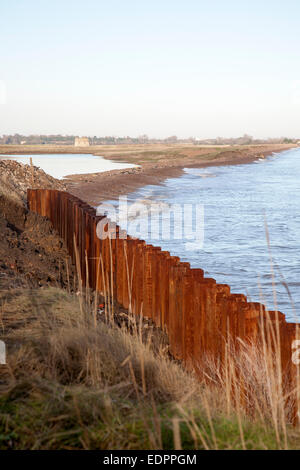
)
(31, 253)
(15, 178)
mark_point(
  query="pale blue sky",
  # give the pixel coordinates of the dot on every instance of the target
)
(190, 68)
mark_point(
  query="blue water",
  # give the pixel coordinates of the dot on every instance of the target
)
(237, 200)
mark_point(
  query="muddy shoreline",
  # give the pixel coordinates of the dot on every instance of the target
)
(94, 188)
(156, 164)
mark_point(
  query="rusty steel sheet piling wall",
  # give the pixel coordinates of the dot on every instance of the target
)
(197, 314)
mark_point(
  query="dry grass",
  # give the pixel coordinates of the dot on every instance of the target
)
(73, 381)
(70, 384)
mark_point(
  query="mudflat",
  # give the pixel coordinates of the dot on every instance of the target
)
(156, 162)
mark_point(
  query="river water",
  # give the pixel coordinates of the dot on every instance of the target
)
(61, 165)
(239, 202)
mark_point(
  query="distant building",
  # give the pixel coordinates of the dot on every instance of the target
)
(81, 142)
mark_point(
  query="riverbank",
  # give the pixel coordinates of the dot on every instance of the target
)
(156, 166)
(74, 382)
(156, 163)
(72, 385)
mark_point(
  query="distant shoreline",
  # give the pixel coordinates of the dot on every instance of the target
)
(157, 163)
(94, 188)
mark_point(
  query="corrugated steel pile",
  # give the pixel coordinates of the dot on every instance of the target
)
(197, 313)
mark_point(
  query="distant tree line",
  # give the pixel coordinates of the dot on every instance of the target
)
(58, 139)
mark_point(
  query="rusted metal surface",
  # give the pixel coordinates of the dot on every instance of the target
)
(198, 314)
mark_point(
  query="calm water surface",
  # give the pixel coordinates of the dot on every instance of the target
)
(236, 200)
(61, 165)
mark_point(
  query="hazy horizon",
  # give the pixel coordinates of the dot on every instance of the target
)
(130, 68)
(154, 138)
